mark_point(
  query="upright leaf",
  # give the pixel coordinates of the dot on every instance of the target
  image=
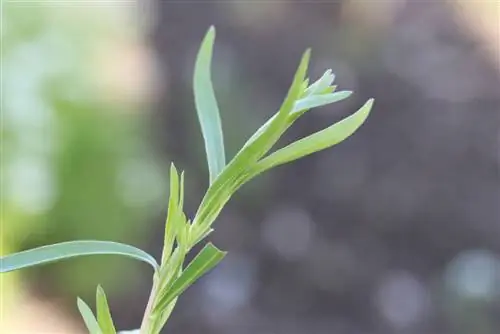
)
(103, 313)
(70, 249)
(88, 318)
(207, 108)
(172, 214)
(208, 258)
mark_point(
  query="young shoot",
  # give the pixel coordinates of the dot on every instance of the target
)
(171, 277)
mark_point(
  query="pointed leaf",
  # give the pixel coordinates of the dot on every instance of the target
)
(318, 141)
(207, 108)
(88, 317)
(103, 313)
(66, 250)
(172, 214)
(321, 84)
(208, 258)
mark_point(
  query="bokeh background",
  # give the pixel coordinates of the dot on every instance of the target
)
(396, 230)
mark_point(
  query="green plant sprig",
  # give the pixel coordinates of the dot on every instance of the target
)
(170, 277)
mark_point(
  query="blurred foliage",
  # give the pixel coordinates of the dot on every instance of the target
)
(76, 159)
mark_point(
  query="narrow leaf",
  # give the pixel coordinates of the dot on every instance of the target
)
(103, 313)
(330, 136)
(208, 258)
(172, 214)
(88, 317)
(315, 101)
(66, 250)
(207, 108)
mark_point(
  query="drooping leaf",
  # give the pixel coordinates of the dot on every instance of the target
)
(321, 140)
(207, 108)
(208, 258)
(66, 250)
(103, 313)
(88, 317)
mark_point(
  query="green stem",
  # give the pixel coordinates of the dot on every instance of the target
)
(146, 320)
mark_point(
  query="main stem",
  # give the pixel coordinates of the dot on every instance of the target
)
(146, 321)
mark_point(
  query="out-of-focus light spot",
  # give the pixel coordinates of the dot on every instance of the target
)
(229, 287)
(377, 15)
(402, 300)
(289, 232)
(258, 18)
(126, 73)
(474, 274)
(140, 183)
(30, 184)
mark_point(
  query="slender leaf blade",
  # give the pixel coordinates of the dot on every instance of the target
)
(172, 214)
(208, 258)
(207, 108)
(103, 313)
(315, 101)
(71, 249)
(88, 317)
(321, 140)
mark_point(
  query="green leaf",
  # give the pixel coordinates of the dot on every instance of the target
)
(103, 313)
(315, 101)
(88, 317)
(208, 258)
(172, 214)
(321, 84)
(66, 250)
(207, 108)
(258, 145)
(321, 140)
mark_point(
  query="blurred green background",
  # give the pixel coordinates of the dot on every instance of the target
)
(397, 230)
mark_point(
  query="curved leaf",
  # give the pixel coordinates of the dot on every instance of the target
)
(207, 108)
(66, 250)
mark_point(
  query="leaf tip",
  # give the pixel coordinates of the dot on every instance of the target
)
(369, 104)
(210, 35)
(80, 303)
(306, 57)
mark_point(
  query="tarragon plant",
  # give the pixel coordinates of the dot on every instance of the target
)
(170, 276)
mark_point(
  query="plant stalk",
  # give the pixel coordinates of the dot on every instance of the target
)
(146, 324)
